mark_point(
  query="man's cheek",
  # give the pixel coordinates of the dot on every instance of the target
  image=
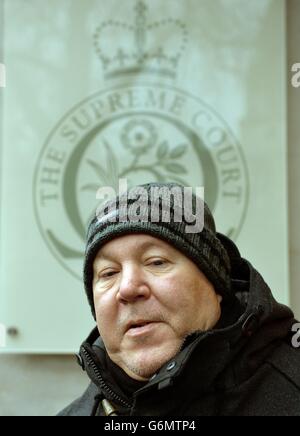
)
(103, 304)
(103, 320)
(171, 287)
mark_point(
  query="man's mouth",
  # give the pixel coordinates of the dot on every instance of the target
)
(140, 327)
(137, 324)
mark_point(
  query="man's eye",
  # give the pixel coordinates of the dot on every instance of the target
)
(107, 274)
(158, 262)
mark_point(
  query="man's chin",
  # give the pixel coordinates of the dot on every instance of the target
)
(146, 363)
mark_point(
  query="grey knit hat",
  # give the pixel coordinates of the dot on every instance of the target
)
(168, 217)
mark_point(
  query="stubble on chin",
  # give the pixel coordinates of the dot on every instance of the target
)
(147, 369)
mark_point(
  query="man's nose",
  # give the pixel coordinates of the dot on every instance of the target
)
(132, 284)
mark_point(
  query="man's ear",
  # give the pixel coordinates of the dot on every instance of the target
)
(220, 298)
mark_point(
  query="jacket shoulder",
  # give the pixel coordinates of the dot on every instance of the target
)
(83, 406)
(286, 360)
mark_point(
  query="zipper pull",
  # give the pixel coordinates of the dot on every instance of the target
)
(109, 410)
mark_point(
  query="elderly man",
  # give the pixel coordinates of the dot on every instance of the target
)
(185, 325)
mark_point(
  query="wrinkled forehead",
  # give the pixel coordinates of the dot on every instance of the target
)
(131, 243)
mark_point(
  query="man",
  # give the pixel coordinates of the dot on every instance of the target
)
(185, 325)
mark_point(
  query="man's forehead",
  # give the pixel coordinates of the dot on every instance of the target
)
(136, 241)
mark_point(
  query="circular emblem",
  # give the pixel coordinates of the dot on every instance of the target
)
(142, 133)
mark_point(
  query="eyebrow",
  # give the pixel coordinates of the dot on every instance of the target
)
(144, 246)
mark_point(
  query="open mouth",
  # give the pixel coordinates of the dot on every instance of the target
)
(141, 328)
(135, 326)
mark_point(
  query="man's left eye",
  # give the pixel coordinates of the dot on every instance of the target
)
(158, 262)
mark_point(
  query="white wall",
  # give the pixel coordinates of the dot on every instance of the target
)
(293, 28)
(38, 385)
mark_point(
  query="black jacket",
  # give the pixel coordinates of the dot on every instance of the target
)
(248, 368)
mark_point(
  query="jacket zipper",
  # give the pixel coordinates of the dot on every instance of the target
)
(103, 385)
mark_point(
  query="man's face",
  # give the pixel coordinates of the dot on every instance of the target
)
(141, 279)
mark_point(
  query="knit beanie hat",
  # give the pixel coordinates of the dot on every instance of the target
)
(165, 211)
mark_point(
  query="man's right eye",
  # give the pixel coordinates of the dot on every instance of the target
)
(107, 274)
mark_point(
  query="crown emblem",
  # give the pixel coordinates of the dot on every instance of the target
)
(140, 47)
